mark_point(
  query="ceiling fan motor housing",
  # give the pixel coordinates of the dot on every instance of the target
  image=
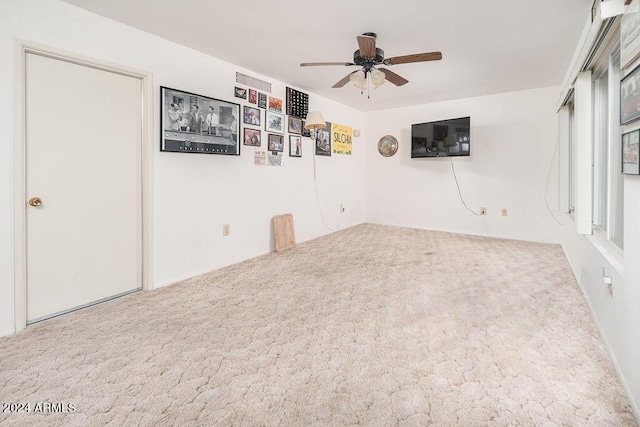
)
(360, 60)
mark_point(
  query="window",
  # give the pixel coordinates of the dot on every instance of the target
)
(607, 216)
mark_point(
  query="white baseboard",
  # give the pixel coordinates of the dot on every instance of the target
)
(635, 406)
(6, 333)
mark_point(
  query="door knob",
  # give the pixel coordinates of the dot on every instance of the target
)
(35, 201)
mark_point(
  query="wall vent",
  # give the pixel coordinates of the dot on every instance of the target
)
(243, 79)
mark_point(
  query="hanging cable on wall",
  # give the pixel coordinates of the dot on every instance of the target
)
(315, 121)
(546, 184)
(315, 181)
(459, 193)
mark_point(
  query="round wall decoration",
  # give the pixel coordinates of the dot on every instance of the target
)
(387, 146)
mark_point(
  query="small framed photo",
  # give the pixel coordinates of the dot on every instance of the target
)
(275, 142)
(295, 146)
(630, 97)
(253, 96)
(323, 141)
(295, 125)
(262, 100)
(275, 104)
(252, 137)
(193, 123)
(240, 92)
(305, 132)
(631, 152)
(251, 116)
(274, 122)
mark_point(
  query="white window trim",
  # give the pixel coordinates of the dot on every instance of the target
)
(584, 153)
(613, 254)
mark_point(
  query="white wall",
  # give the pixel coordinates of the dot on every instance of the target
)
(623, 332)
(513, 141)
(194, 194)
(617, 315)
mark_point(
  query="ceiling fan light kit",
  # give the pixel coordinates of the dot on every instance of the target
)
(359, 79)
(369, 57)
(377, 78)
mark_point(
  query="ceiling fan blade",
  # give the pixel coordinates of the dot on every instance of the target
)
(393, 77)
(416, 57)
(367, 46)
(316, 64)
(344, 80)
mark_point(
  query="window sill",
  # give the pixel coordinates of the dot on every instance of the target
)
(609, 251)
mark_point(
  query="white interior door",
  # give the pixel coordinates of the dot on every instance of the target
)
(83, 161)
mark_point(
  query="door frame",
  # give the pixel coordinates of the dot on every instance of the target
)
(21, 49)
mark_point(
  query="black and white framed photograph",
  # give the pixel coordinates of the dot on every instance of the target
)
(275, 142)
(262, 100)
(295, 146)
(631, 152)
(295, 125)
(630, 97)
(274, 122)
(305, 132)
(193, 123)
(251, 116)
(252, 137)
(323, 141)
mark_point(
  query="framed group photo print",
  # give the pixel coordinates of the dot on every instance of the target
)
(275, 104)
(252, 137)
(193, 123)
(275, 143)
(251, 116)
(274, 122)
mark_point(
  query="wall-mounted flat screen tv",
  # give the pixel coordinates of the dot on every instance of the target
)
(443, 138)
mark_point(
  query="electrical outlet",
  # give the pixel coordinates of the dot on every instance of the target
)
(483, 211)
(341, 207)
(606, 279)
(504, 212)
(226, 229)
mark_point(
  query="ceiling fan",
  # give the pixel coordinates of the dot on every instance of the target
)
(369, 57)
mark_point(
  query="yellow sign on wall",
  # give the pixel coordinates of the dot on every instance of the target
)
(342, 139)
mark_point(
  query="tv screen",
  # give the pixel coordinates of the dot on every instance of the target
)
(443, 138)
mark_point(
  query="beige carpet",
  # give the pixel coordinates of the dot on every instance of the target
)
(373, 325)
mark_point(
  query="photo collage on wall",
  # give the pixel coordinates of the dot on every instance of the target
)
(262, 119)
(630, 91)
(282, 126)
(252, 117)
(199, 124)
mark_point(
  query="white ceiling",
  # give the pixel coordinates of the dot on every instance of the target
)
(488, 47)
